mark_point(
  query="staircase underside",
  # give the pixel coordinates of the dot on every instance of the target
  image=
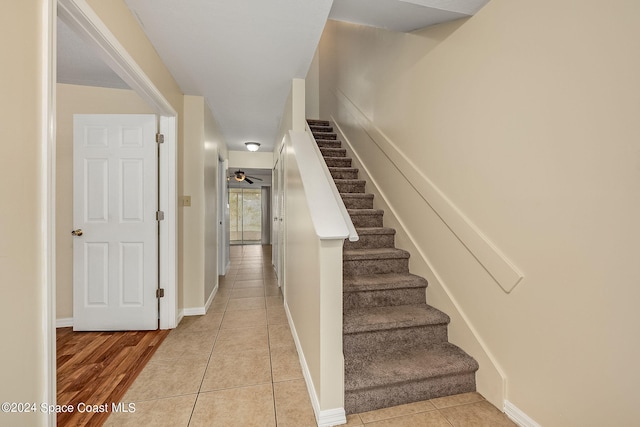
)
(395, 345)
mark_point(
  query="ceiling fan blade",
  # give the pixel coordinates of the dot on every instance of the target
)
(248, 180)
(254, 177)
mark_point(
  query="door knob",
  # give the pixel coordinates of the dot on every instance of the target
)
(77, 232)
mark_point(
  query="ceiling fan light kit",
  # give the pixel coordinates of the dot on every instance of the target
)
(252, 146)
(241, 176)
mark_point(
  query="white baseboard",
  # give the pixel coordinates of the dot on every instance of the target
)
(517, 416)
(329, 417)
(64, 323)
(210, 299)
(194, 311)
(199, 311)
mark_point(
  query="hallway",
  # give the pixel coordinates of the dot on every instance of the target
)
(238, 366)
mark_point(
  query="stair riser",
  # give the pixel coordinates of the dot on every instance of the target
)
(322, 129)
(397, 339)
(333, 152)
(383, 298)
(338, 162)
(344, 174)
(358, 202)
(372, 241)
(324, 135)
(370, 220)
(329, 144)
(397, 394)
(375, 266)
(350, 187)
(316, 122)
(387, 367)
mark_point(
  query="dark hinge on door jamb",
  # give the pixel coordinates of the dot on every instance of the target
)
(160, 293)
(159, 138)
(159, 216)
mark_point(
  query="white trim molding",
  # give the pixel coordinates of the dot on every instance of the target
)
(517, 416)
(80, 17)
(495, 262)
(210, 299)
(64, 323)
(194, 311)
(48, 203)
(357, 117)
(326, 215)
(353, 234)
(200, 311)
(326, 418)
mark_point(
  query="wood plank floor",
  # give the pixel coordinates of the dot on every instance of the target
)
(97, 368)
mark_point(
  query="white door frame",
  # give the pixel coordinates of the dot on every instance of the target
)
(79, 16)
(223, 246)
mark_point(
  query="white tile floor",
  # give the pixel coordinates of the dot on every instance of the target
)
(238, 366)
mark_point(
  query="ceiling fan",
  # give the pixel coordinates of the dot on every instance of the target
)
(241, 176)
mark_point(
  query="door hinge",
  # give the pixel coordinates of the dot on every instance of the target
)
(160, 293)
(159, 216)
(159, 138)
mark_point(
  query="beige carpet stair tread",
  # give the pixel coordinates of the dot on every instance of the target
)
(395, 367)
(324, 135)
(348, 181)
(374, 230)
(360, 212)
(395, 345)
(371, 254)
(378, 282)
(392, 317)
(318, 122)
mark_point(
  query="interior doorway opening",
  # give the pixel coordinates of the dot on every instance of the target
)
(245, 212)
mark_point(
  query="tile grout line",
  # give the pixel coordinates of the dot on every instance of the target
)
(208, 361)
(273, 389)
(215, 340)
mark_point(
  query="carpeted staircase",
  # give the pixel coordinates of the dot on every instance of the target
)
(396, 348)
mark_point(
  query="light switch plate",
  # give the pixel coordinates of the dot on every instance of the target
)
(186, 200)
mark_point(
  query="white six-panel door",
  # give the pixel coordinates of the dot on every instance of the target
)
(115, 255)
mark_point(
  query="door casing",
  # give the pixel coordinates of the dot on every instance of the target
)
(84, 21)
(79, 16)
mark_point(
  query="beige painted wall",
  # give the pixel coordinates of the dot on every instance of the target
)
(301, 249)
(247, 159)
(203, 144)
(302, 269)
(124, 26)
(312, 270)
(118, 18)
(214, 149)
(193, 216)
(23, 236)
(312, 89)
(526, 121)
(75, 99)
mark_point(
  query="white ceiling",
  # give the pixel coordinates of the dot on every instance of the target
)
(242, 54)
(403, 15)
(78, 64)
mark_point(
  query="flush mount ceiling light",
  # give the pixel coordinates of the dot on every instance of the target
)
(252, 146)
